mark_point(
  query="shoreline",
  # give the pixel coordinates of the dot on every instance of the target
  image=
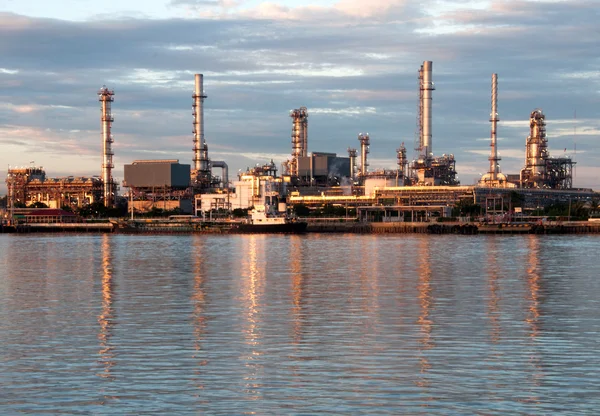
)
(572, 227)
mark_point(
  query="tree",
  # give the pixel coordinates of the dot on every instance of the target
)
(240, 213)
(594, 203)
(4, 201)
(516, 199)
(38, 204)
(95, 210)
(301, 210)
(466, 207)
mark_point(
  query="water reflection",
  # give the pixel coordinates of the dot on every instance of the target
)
(198, 298)
(106, 319)
(533, 283)
(369, 288)
(425, 301)
(533, 316)
(253, 286)
(298, 287)
(494, 296)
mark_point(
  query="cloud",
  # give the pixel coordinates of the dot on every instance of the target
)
(352, 63)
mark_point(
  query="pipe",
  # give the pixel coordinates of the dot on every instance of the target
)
(426, 88)
(225, 171)
(105, 96)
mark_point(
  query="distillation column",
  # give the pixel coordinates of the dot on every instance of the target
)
(534, 173)
(493, 173)
(402, 161)
(364, 150)
(352, 155)
(299, 137)
(201, 161)
(105, 96)
(426, 88)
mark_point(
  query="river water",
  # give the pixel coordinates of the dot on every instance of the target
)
(314, 324)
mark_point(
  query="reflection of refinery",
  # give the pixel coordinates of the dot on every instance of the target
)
(314, 179)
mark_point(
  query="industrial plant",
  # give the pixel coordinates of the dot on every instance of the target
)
(413, 191)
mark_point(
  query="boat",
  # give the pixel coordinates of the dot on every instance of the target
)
(263, 220)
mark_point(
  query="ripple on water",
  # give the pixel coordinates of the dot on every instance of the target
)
(299, 324)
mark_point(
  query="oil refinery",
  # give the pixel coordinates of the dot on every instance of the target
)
(412, 191)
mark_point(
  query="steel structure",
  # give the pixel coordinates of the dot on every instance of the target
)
(224, 172)
(402, 163)
(299, 137)
(419, 126)
(201, 160)
(426, 89)
(493, 177)
(365, 141)
(30, 185)
(427, 169)
(201, 175)
(352, 155)
(542, 171)
(494, 159)
(268, 169)
(106, 97)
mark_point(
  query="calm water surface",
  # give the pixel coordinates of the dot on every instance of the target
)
(410, 324)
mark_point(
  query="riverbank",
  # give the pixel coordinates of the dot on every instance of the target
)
(227, 227)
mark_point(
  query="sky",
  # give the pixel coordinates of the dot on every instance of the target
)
(352, 63)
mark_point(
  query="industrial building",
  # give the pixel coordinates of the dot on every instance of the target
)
(28, 185)
(161, 184)
(323, 169)
(428, 169)
(257, 186)
(425, 186)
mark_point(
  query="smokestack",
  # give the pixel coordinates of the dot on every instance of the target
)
(426, 88)
(364, 150)
(105, 96)
(494, 120)
(200, 148)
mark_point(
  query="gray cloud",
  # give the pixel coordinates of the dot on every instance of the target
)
(360, 74)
